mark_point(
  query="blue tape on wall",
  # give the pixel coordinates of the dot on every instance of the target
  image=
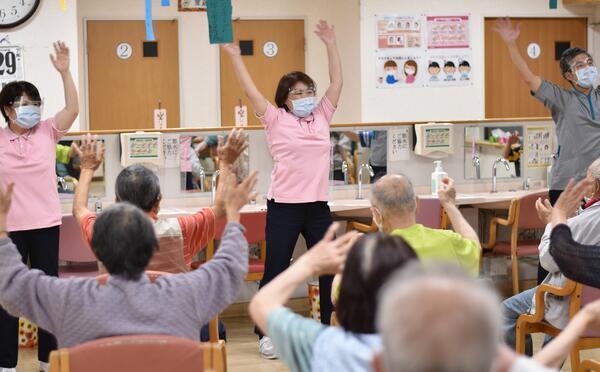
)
(149, 27)
(553, 4)
(165, 2)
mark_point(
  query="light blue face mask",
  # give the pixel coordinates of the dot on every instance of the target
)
(586, 77)
(303, 107)
(28, 116)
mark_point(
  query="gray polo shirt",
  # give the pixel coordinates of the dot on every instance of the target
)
(577, 118)
(379, 149)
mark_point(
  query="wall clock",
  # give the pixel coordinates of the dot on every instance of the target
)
(16, 12)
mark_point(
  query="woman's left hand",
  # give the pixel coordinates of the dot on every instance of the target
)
(325, 32)
(60, 58)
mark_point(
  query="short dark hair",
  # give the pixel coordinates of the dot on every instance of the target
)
(287, 82)
(14, 90)
(449, 64)
(434, 65)
(567, 57)
(370, 262)
(124, 240)
(464, 64)
(139, 186)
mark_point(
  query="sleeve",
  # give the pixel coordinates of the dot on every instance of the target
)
(576, 261)
(467, 252)
(50, 126)
(270, 116)
(546, 260)
(87, 228)
(552, 96)
(325, 108)
(197, 230)
(214, 285)
(293, 337)
(30, 293)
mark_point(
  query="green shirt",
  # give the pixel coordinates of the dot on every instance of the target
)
(442, 245)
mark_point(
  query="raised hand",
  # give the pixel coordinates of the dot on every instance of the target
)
(236, 144)
(236, 196)
(325, 32)
(570, 200)
(544, 210)
(329, 255)
(506, 30)
(92, 152)
(232, 49)
(60, 58)
(447, 192)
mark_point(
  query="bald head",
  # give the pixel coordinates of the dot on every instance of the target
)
(594, 170)
(438, 319)
(394, 195)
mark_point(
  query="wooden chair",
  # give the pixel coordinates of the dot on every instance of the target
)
(535, 323)
(148, 353)
(255, 224)
(589, 365)
(521, 215)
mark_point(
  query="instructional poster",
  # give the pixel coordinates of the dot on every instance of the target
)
(143, 147)
(538, 146)
(171, 150)
(448, 69)
(399, 69)
(398, 144)
(444, 32)
(399, 32)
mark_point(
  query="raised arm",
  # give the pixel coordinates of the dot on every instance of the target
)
(92, 154)
(60, 60)
(257, 100)
(447, 195)
(336, 79)
(509, 35)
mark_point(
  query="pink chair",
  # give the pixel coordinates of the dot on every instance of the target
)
(521, 215)
(581, 295)
(148, 353)
(73, 249)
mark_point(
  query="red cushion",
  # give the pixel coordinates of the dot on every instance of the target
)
(256, 266)
(524, 248)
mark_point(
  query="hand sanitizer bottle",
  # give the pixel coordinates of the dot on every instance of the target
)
(436, 177)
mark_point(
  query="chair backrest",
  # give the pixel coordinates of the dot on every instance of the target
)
(148, 353)
(589, 365)
(527, 214)
(255, 224)
(71, 245)
(429, 212)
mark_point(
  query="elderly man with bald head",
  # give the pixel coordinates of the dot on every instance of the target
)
(584, 227)
(394, 208)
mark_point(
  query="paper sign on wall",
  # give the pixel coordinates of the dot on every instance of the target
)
(398, 144)
(141, 147)
(185, 143)
(241, 116)
(11, 64)
(160, 118)
(171, 150)
(538, 146)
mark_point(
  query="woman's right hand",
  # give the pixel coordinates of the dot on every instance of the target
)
(506, 30)
(232, 49)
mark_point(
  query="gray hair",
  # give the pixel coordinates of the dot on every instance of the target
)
(594, 169)
(437, 319)
(394, 194)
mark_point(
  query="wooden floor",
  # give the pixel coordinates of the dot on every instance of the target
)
(242, 351)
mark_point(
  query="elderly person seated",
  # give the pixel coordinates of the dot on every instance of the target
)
(394, 208)
(80, 310)
(307, 345)
(439, 319)
(585, 228)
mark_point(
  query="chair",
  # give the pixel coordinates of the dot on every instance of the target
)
(521, 215)
(148, 353)
(255, 224)
(534, 323)
(589, 365)
(73, 249)
(213, 324)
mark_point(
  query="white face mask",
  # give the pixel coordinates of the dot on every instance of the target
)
(409, 71)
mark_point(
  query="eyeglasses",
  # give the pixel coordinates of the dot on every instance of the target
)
(26, 102)
(310, 92)
(582, 64)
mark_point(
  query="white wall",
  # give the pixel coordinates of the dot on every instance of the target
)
(37, 35)
(199, 72)
(449, 103)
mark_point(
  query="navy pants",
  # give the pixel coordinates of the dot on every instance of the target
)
(285, 222)
(40, 247)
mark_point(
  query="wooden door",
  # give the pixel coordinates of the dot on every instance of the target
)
(123, 93)
(506, 95)
(288, 35)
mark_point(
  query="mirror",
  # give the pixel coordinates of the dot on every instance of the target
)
(68, 169)
(484, 145)
(351, 149)
(202, 161)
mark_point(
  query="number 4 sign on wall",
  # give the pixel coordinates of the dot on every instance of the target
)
(11, 64)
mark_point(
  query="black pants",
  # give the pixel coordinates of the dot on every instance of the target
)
(284, 223)
(40, 247)
(553, 197)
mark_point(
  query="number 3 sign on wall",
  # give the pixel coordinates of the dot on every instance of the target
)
(11, 64)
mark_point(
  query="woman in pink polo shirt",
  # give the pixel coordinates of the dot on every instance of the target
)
(27, 159)
(298, 137)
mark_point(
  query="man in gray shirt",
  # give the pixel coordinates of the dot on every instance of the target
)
(576, 112)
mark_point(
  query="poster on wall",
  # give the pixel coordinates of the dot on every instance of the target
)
(11, 64)
(398, 144)
(447, 69)
(399, 70)
(446, 32)
(538, 146)
(399, 32)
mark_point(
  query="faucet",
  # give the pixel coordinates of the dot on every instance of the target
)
(506, 165)
(371, 173)
(345, 171)
(62, 182)
(477, 164)
(202, 179)
(214, 186)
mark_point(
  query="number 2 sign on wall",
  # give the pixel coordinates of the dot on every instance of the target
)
(11, 64)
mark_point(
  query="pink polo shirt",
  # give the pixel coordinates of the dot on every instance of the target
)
(28, 161)
(300, 148)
